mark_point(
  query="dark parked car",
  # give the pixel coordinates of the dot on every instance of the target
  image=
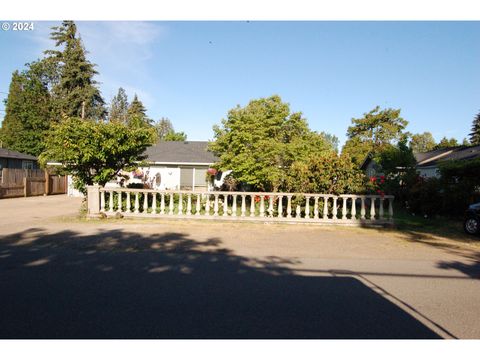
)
(472, 220)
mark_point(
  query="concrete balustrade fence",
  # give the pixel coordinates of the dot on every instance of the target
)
(241, 206)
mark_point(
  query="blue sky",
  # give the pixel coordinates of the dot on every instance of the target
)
(194, 72)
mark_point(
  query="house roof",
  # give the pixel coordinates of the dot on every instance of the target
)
(180, 152)
(10, 154)
(432, 158)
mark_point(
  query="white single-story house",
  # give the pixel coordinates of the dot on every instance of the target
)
(427, 162)
(173, 165)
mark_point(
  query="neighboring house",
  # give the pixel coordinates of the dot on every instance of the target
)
(10, 159)
(427, 162)
(174, 165)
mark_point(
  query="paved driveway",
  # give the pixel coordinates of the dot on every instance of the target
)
(66, 278)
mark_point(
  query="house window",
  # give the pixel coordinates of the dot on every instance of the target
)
(27, 164)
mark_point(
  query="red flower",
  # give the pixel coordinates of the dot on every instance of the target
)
(373, 179)
(257, 198)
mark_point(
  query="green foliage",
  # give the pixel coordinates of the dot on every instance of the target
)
(475, 134)
(119, 107)
(94, 152)
(163, 127)
(378, 126)
(175, 136)
(166, 132)
(422, 142)
(373, 132)
(326, 173)
(137, 114)
(76, 92)
(260, 142)
(331, 140)
(28, 110)
(357, 149)
(447, 143)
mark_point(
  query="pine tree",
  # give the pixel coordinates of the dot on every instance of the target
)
(76, 92)
(119, 107)
(28, 110)
(137, 113)
(475, 134)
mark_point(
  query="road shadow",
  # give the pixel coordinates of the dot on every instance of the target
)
(119, 284)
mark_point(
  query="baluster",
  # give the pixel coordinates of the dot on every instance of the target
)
(128, 206)
(380, 211)
(362, 209)
(154, 203)
(390, 208)
(180, 204)
(280, 206)
(372, 208)
(344, 208)
(145, 202)
(307, 207)
(270, 206)
(334, 210)
(225, 205)
(289, 206)
(244, 207)
(325, 208)
(252, 205)
(298, 211)
(189, 204)
(215, 205)
(354, 209)
(207, 206)
(315, 208)
(198, 207)
(234, 206)
(162, 204)
(262, 206)
(102, 201)
(119, 201)
(137, 203)
(170, 205)
(110, 203)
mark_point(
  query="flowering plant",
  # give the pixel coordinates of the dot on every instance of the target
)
(377, 183)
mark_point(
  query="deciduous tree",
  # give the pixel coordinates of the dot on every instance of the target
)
(422, 142)
(95, 152)
(260, 142)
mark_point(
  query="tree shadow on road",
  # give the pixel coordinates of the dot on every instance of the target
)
(119, 284)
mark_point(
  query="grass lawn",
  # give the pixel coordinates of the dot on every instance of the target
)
(434, 229)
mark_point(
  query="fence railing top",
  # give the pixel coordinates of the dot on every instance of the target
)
(245, 193)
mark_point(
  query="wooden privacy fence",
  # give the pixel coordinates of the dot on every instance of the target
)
(30, 182)
(244, 206)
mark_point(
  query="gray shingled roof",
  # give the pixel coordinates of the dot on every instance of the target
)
(5, 153)
(432, 158)
(180, 152)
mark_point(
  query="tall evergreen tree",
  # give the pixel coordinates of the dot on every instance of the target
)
(28, 110)
(76, 92)
(475, 134)
(137, 113)
(119, 107)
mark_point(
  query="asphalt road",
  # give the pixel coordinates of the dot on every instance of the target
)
(61, 277)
